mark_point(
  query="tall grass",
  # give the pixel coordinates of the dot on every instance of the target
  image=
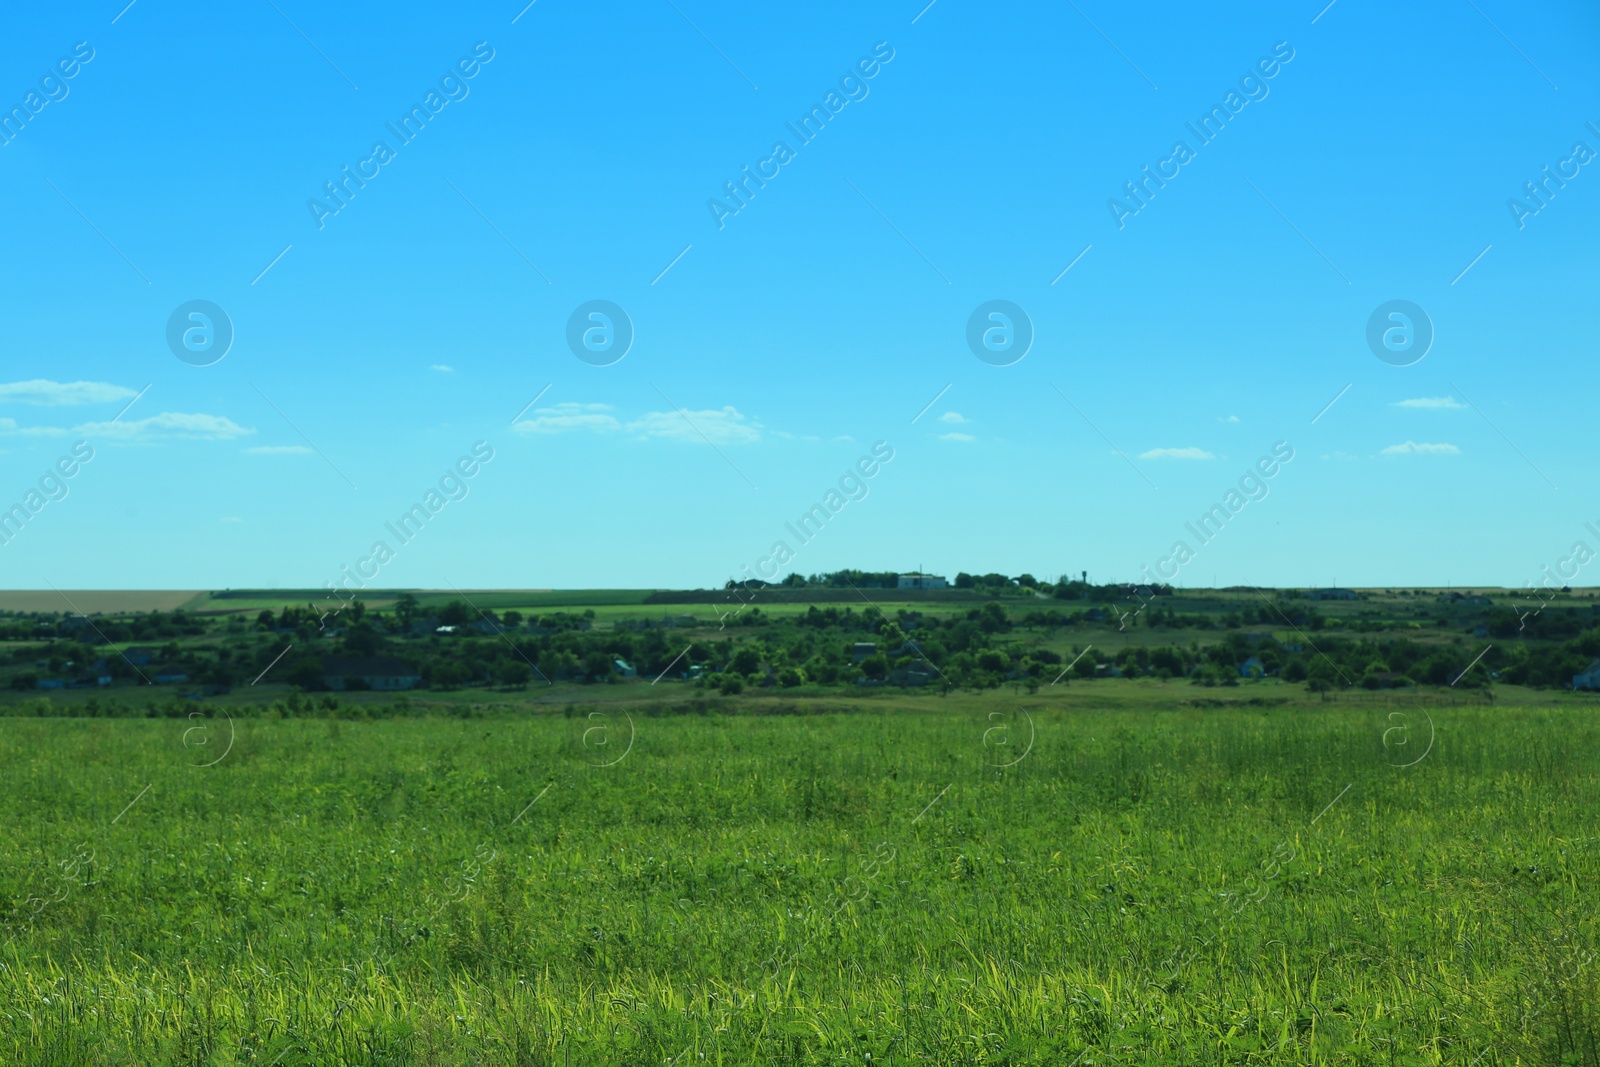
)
(1225, 885)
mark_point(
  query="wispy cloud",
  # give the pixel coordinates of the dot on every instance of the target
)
(957, 437)
(953, 417)
(720, 427)
(1413, 448)
(168, 424)
(442, 368)
(1449, 402)
(1227, 418)
(45, 393)
(1176, 453)
(9, 426)
(569, 418)
(278, 450)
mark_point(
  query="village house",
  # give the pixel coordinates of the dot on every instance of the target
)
(1590, 678)
(376, 672)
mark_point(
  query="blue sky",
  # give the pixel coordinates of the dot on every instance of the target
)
(828, 313)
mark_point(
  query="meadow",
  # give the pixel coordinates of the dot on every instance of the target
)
(987, 879)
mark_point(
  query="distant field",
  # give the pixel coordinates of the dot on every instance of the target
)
(98, 601)
(975, 880)
(666, 602)
(253, 600)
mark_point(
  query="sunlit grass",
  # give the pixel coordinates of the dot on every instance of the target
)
(1203, 885)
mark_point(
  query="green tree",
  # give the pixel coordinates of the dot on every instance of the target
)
(303, 670)
(597, 666)
(558, 664)
(746, 661)
(1321, 670)
(450, 674)
(361, 640)
(992, 618)
(513, 672)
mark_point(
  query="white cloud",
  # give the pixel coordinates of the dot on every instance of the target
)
(278, 450)
(9, 426)
(1412, 448)
(1227, 418)
(569, 417)
(953, 417)
(196, 427)
(442, 368)
(957, 437)
(724, 427)
(46, 393)
(1176, 453)
(1431, 402)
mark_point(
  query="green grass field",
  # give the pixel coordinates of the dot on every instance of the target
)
(977, 880)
